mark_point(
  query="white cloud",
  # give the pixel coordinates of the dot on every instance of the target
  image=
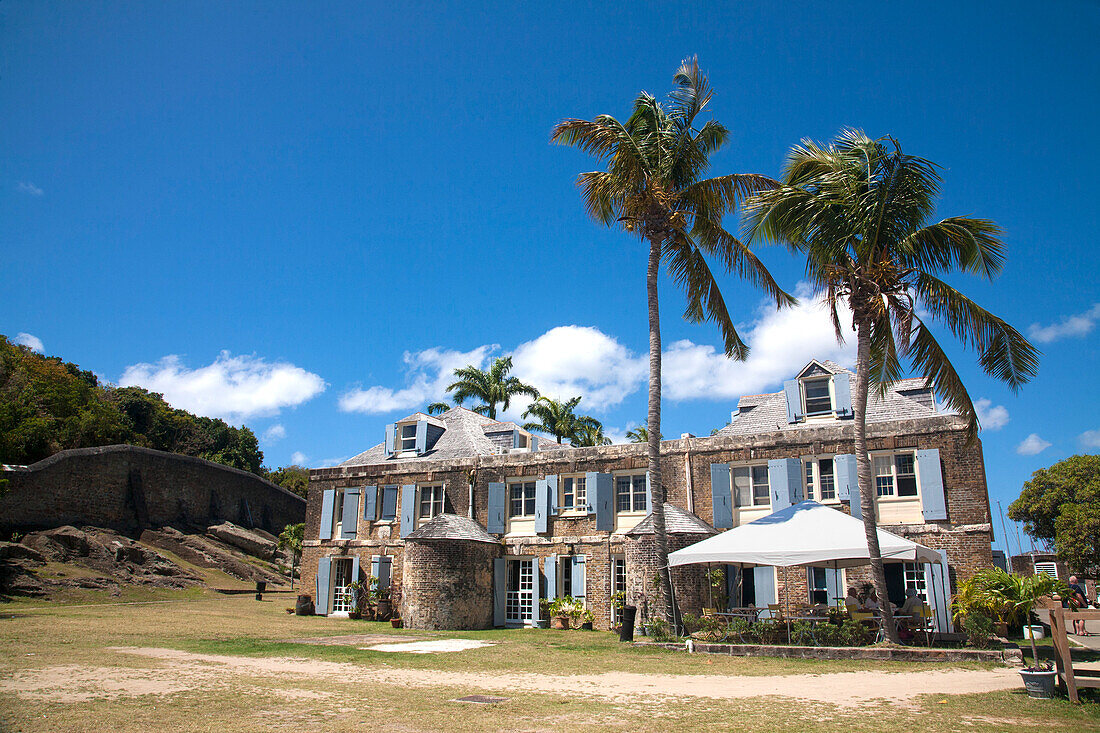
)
(233, 387)
(31, 341)
(429, 373)
(298, 458)
(1090, 438)
(781, 343)
(1074, 326)
(29, 188)
(275, 433)
(992, 417)
(1032, 445)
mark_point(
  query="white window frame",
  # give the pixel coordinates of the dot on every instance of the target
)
(579, 490)
(812, 587)
(618, 582)
(636, 496)
(337, 514)
(525, 501)
(518, 604)
(915, 579)
(811, 471)
(341, 595)
(435, 500)
(765, 500)
(403, 442)
(828, 382)
(891, 478)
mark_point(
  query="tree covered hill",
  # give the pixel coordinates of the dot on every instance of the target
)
(47, 405)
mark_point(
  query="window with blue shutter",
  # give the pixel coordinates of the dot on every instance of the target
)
(551, 577)
(552, 491)
(381, 567)
(536, 612)
(328, 500)
(421, 437)
(842, 391)
(845, 476)
(389, 503)
(408, 509)
(793, 393)
(578, 579)
(542, 505)
(350, 516)
(390, 434)
(785, 481)
(500, 582)
(932, 495)
(320, 602)
(721, 498)
(494, 523)
(604, 488)
(370, 503)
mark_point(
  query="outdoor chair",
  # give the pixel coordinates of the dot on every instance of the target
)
(775, 611)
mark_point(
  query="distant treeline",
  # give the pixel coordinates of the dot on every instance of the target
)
(47, 405)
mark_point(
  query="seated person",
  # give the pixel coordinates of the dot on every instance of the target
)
(913, 603)
(872, 602)
(852, 602)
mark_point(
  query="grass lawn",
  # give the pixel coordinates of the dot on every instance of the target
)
(230, 663)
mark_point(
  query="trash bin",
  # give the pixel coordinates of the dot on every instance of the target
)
(626, 623)
(261, 586)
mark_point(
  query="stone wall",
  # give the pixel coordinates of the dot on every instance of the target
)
(126, 488)
(689, 582)
(448, 584)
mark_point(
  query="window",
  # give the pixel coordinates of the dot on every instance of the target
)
(431, 501)
(818, 400)
(895, 474)
(570, 570)
(618, 583)
(337, 514)
(751, 484)
(819, 586)
(630, 493)
(809, 480)
(521, 499)
(389, 503)
(574, 493)
(915, 579)
(819, 474)
(342, 596)
(407, 440)
(520, 594)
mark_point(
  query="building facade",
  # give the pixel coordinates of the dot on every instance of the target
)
(571, 521)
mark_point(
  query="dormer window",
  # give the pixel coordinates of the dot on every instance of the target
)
(413, 436)
(818, 399)
(408, 438)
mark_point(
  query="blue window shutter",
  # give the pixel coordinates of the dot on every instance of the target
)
(534, 443)
(648, 493)
(385, 572)
(764, 581)
(351, 514)
(932, 498)
(370, 503)
(421, 436)
(355, 567)
(320, 602)
(408, 509)
(375, 566)
(389, 439)
(721, 496)
(605, 502)
(785, 482)
(495, 520)
(551, 577)
(842, 394)
(328, 498)
(552, 490)
(793, 392)
(939, 597)
(591, 494)
(515, 438)
(389, 503)
(535, 610)
(578, 576)
(542, 505)
(500, 581)
(733, 597)
(845, 477)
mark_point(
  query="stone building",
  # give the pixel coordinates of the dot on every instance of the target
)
(562, 516)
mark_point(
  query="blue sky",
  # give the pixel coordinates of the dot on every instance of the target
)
(295, 216)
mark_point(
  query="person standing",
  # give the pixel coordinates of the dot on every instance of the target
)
(1077, 599)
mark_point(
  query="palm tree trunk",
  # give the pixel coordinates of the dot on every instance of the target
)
(863, 470)
(657, 489)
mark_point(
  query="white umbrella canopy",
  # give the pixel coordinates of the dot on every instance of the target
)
(804, 534)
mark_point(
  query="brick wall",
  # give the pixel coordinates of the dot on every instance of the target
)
(689, 581)
(125, 487)
(448, 584)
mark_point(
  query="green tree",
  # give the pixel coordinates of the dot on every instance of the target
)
(293, 478)
(653, 187)
(291, 539)
(1061, 505)
(638, 435)
(493, 387)
(558, 418)
(859, 211)
(588, 434)
(438, 408)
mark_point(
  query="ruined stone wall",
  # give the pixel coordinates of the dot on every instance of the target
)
(126, 488)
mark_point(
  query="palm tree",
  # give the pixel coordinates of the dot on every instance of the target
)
(493, 387)
(438, 408)
(859, 210)
(638, 435)
(590, 434)
(558, 418)
(653, 188)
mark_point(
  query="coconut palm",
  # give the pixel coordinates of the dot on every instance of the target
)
(638, 435)
(590, 433)
(860, 212)
(558, 418)
(653, 188)
(438, 408)
(493, 387)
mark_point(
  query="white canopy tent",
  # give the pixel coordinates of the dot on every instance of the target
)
(812, 534)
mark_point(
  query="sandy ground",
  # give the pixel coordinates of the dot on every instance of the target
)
(186, 671)
(430, 647)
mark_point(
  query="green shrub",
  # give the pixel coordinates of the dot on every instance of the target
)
(692, 623)
(660, 631)
(979, 631)
(802, 634)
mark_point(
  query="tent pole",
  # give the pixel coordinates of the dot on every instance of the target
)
(787, 600)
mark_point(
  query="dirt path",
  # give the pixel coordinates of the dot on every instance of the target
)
(183, 670)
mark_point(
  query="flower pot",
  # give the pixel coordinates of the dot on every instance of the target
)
(586, 626)
(560, 623)
(355, 614)
(396, 623)
(1033, 632)
(384, 610)
(1039, 684)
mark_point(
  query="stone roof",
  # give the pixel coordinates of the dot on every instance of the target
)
(677, 521)
(768, 412)
(451, 527)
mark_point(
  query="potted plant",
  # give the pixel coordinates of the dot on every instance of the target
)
(356, 609)
(384, 609)
(1010, 599)
(618, 602)
(545, 611)
(587, 619)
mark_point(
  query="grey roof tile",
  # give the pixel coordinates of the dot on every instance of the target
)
(451, 527)
(677, 521)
